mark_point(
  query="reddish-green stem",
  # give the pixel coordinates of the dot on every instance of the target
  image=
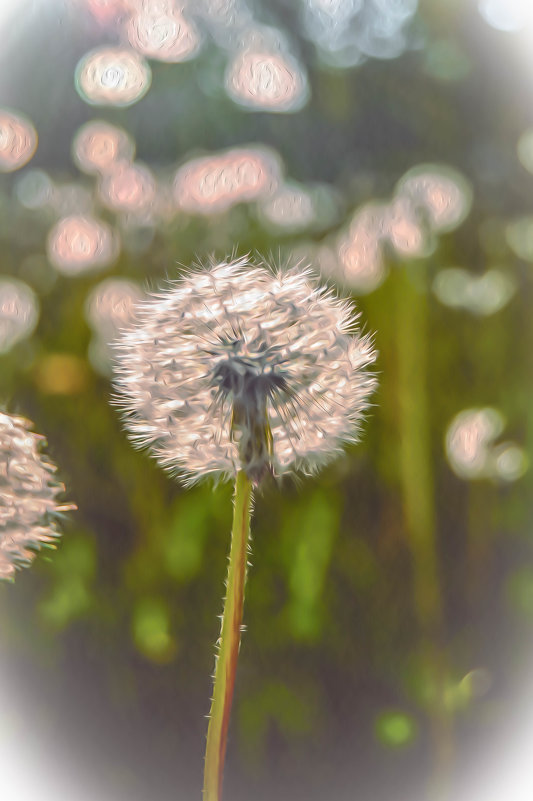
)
(229, 642)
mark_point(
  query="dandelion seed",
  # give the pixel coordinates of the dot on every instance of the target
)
(238, 368)
(28, 496)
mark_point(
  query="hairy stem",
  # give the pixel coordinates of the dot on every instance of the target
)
(229, 642)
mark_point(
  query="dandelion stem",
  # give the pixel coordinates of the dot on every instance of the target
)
(229, 642)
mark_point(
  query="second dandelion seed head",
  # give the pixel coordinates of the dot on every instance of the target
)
(29, 490)
(236, 367)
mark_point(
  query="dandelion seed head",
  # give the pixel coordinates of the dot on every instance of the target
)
(237, 367)
(28, 496)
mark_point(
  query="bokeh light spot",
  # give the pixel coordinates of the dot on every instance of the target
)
(163, 35)
(19, 312)
(441, 194)
(446, 61)
(519, 236)
(18, 140)
(150, 625)
(291, 207)
(212, 184)
(112, 77)
(505, 15)
(267, 81)
(472, 452)
(106, 12)
(98, 145)
(61, 374)
(510, 461)
(359, 249)
(109, 309)
(524, 149)
(128, 188)
(404, 229)
(483, 295)
(468, 440)
(80, 243)
(110, 306)
(395, 729)
(347, 31)
(476, 683)
(34, 189)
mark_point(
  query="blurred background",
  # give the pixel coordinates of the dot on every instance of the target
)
(389, 608)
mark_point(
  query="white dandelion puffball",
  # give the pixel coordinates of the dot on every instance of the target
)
(28, 496)
(235, 367)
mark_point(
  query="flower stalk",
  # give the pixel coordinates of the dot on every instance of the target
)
(418, 490)
(229, 642)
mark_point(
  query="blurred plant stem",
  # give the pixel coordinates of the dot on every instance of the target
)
(229, 642)
(480, 544)
(412, 340)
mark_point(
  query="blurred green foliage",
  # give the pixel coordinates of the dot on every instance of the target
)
(395, 729)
